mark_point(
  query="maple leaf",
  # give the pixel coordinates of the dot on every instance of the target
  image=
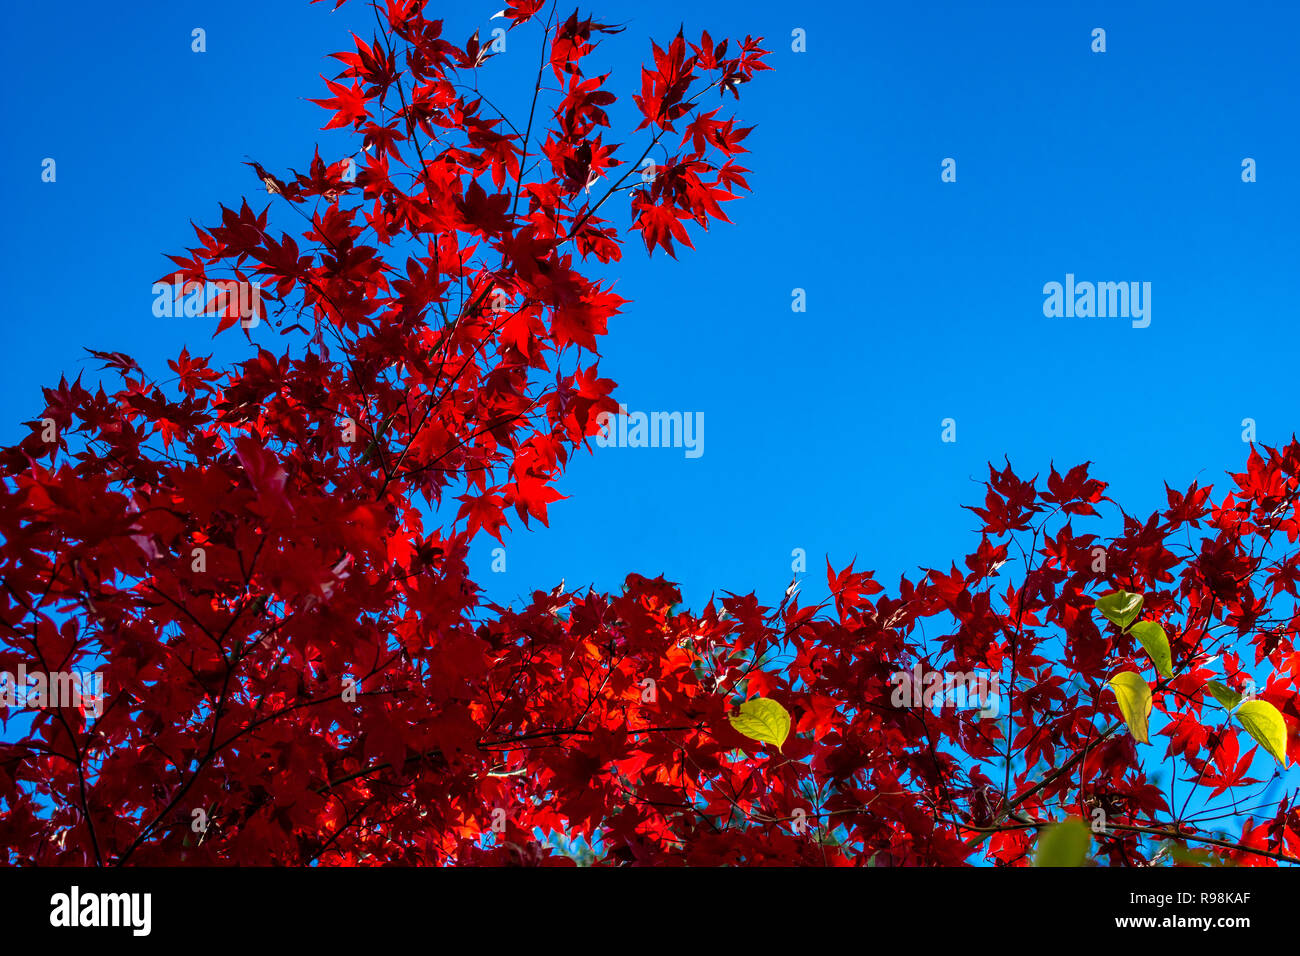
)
(265, 473)
(349, 104)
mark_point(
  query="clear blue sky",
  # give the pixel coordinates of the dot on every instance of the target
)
(924, 298)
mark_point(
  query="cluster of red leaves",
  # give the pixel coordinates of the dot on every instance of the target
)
(268, 562)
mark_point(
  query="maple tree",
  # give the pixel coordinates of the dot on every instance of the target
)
(268, 562)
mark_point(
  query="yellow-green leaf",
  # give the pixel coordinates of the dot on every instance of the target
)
(1134, 698)
(1263, 722)
(1152, 637)
(1224, 694)
(1064, 844)
(1121, 607)
(762, 719)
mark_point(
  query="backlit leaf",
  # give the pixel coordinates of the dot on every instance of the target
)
(1120, 607)
(1134, 696)
(1264, 722)
(762, 719)
(1064, 844)
(1153, 639)
(1224, 694)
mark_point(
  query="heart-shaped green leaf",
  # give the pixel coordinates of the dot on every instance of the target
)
(1121, 607)
(1063, 844)
(762, 719)
(1152, 637)
(1134, 698)
(1264, 722)
(1224, 694)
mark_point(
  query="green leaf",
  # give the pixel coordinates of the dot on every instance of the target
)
(1152, 637)
(1134, 698)
(1121, 607)
(1263, 722)
(1224, 694)
(1064, 844)
(762, 719)
(1190, 857)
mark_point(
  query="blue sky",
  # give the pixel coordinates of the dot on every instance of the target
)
(924, 298)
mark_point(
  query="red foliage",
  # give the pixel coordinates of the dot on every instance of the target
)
(265, 564)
